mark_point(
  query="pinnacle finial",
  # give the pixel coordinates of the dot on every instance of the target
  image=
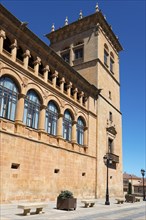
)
(96, 8)
(53, 28)
(66, 21)
(80, 15)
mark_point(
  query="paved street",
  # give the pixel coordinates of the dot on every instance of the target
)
(126, 211)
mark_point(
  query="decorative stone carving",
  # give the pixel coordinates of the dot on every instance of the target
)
(25, 82)
(2, 34)
(37, 61)
(46, 94)
(112, 130)
(14, 45)
(27, 54)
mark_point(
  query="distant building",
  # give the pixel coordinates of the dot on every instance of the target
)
(59, 109)
(137, 183)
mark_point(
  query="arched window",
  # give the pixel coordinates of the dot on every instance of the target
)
(8, 98)
(67, 125)
(106, 54)
(111, 62)
(31, 109)
(51, 118)
(80, 131)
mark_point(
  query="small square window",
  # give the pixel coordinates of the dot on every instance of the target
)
(105, 57)
(66, 57)
(56, 170)
(110, 116)
(15, 166)
(110, 145)
(110, 95)
(78, 53)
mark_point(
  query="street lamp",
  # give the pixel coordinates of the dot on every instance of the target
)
(107, 161)
(143, 173)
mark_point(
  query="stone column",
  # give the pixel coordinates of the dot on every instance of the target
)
(54, 77)
(45, 71)
(26, 56)
(62, 81)
(69, 89)
(81, 97)
(74, 131)
(75, 94)
(60, 126)
(20, 108)
(41, 126)
(37, 62)
(14, 50)
(85, 101)
(2, 37)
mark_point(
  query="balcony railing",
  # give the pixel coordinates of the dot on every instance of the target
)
(114, 157)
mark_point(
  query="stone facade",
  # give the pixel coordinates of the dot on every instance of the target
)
(34, 163)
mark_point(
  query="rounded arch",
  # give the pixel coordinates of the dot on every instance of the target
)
(71, 109)
(9, 83)
(9, 96)
(71, 112)
(81, 119)
(106, 47)
(13, 75)
(31, 109)
(37, 89)
(33, 96)
(84, 117)
(56, 100)
(112, 55)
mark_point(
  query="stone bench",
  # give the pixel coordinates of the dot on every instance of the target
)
(28, 206)
(137, 199)
(120, 200)
(88, 203)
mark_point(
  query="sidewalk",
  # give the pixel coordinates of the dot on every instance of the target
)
(100, 211)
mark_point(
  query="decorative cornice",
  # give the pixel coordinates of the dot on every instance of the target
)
(38, 48)
(84, 24)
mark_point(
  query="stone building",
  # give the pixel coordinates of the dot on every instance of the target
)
(59, 109)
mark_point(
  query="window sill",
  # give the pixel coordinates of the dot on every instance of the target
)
(78, 61)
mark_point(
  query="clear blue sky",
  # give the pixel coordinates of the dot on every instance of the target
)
(128, 20)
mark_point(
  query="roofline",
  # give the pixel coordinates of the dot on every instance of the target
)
(93, 91)
(102, 21)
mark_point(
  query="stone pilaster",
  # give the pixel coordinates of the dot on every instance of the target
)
(75, 94)
(37, 62)
(26, 56)
(54, 77)
(14, 50)
(85, 136)
(62, 81)
(69, 89)
(45, 71)
(2, 37)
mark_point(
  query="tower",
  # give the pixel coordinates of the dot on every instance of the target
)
(90, 46)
